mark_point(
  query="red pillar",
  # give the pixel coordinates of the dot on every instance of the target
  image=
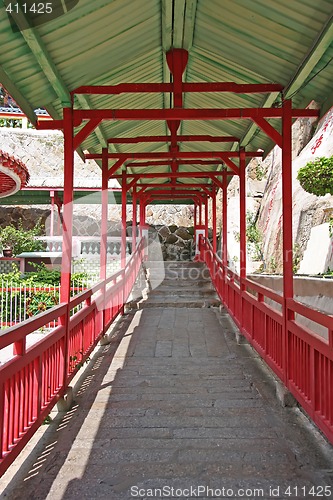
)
(288, 289)
(123, 218)
(52, 213)
(224, 222)
(104, 227)
(214, 219)
(242, 230)
(142, 215)
(104, 223)
(206, 217)
(200, 213)
(67, 234)
(134, 220)
(242, 214)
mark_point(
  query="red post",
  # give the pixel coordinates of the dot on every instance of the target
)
(224, 223)
(123, 218)
(200, 213)
(134, 220)
(52, 213)
(242, 214)
(67, 228)
(195, 215)
(206, 217)
(104, 222)
(214, 219)
(242, 229)
(104, 225)
(288, 289)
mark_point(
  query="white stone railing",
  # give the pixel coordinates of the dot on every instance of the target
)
(86, 245)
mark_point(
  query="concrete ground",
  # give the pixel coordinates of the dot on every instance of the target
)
(174, 402)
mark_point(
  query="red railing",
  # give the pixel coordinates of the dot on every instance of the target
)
(34, 380)
(302, 359)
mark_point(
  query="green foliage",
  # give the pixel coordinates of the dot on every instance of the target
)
(272, 265)
(261, 171)
(21, 240)
(252, 232)
(330, 227)
(47, 420)
(297, 257)
(44, 294)
(10, 123)
(45, 276)
(253, 236)
(316, 177)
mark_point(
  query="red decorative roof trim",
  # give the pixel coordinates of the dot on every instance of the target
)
(14, 175)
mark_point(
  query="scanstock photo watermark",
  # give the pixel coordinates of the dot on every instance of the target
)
(205, 491)
(27, 14)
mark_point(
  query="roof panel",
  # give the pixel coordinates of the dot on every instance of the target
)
(111, 42)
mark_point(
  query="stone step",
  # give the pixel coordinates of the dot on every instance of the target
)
(183, 293)
(179, 284)
(179, 302)
(175, 263)
(182, 274)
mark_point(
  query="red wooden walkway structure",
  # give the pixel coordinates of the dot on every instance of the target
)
(159, 137)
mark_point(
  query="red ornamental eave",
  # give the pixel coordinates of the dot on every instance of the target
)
(14, 175)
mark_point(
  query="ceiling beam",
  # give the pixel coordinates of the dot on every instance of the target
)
(219, 155)
(166, 175)
(187, 114)
(84, 102)
(39, 51)
(248, 136)
(167, 138)
(16, 94)
(166, 30)
(43, 58)
(159, 163)
(318, 49)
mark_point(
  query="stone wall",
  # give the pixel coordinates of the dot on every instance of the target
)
(177, 242)
(28, 216)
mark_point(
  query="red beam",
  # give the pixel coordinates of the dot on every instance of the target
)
(269, 130)
(167, 185)
(49, 124)
(189, 195)
(174, 190)
(178, 155)
(119, 163)
(167, 138)
(159, 175)
(168, 162)
(186, 114)
(85, 132)
(193, 197)
(135, 88)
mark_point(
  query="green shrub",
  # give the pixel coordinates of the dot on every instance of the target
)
(21, 240)
(33, 292)
(316, 177)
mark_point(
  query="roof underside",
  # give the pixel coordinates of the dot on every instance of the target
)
(111, 42)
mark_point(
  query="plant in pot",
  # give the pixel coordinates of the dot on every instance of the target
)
(15, 240)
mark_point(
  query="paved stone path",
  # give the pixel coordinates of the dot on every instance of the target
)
(173, 401)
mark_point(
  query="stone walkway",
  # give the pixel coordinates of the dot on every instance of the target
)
(174, 402)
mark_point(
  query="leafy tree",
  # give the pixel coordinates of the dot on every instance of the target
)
(20, 239)
(316, 177)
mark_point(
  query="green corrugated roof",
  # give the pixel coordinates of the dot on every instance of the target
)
(109, 42)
